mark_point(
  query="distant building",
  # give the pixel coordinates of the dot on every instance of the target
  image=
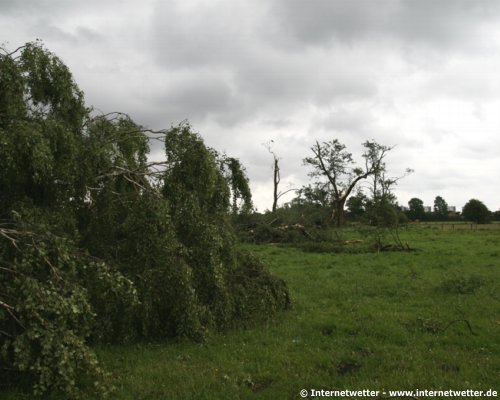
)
(452, 212)
(427, 209)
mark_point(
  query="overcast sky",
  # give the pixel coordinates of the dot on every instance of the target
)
(421, 75)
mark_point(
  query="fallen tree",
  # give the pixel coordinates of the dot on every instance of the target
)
(97, 243)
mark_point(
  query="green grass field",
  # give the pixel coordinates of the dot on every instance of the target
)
(426, 319)
(462, 225)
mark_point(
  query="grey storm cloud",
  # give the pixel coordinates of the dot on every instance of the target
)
(233, 42)
(28, 6)
(249, 44)
(199, 95)
(431, 22)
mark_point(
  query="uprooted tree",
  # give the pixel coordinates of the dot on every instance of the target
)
(336, 174)
(99, 244)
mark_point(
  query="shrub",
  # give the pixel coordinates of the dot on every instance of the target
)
(47, 312)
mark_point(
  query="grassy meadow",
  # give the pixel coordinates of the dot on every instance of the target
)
(426, 319)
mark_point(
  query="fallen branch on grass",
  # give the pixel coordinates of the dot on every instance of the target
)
(460, 320)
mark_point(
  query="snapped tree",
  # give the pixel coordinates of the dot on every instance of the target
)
(276, 177)
(336, 173)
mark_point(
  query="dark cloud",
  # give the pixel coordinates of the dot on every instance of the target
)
(190, 35)
(429, 22)
(15, 7)
(232, 39)
(199, 96)
(319, 22)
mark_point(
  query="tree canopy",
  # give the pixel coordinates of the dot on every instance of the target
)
(416, 210)
(440, 208)
(476, 211)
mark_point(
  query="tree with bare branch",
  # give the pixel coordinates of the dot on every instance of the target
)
(335, 172)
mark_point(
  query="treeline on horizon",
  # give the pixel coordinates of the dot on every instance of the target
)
(358, 210)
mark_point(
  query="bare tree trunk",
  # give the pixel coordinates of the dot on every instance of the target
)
(276, 181)
(339, 215)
